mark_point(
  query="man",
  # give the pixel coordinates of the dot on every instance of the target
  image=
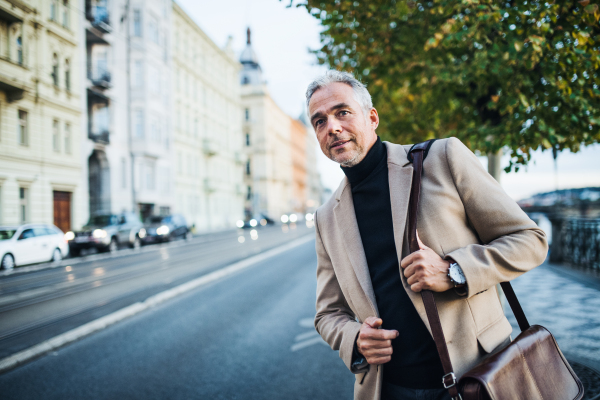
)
(472, 236)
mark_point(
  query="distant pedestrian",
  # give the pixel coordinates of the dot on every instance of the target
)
(472, 236)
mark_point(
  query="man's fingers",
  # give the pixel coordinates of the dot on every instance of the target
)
(378, 334)
(374, 322)
(379, 360)
(421, 245)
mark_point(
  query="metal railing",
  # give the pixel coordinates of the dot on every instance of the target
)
(576, 241)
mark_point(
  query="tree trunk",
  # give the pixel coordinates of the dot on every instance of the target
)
(494, 167)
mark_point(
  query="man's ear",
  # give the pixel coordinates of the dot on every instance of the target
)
(374, 118)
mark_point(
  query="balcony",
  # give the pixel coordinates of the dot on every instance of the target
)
(96, 97)
(210, 185)
(100, 79)
(100, 137)
(11, 82)
(209, 147)
(98, 16)
(240, 158)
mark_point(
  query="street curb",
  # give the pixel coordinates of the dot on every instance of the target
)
(73, 335)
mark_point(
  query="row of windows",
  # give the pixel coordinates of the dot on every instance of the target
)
(23, 133)
(56, 72)
(63, 10)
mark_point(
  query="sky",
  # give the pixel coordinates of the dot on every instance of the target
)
(282, 37)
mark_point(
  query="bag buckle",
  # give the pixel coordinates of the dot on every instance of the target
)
(452, 382)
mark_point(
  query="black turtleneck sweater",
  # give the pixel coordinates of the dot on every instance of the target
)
(415, 362)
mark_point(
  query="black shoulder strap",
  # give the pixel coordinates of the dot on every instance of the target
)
(421, 146)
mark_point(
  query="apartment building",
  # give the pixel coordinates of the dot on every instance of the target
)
(40, 114)
(209, 158)
(127, 153)
(268, 174)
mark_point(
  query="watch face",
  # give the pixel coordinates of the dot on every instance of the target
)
(456, 274)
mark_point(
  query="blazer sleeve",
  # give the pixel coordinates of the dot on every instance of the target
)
(334, 319)
(510, 242)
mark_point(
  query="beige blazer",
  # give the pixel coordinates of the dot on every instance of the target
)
(463, 214)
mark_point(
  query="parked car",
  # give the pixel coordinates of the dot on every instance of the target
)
(163, 228)
(31, 243)
(106, 232)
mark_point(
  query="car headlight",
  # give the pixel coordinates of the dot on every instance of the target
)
(99, 233)
(240, 224)
(293, 218)
(284, 218)
(309, 217)
(69, 236)
(163, 230)
(142, 233)
(253, 223)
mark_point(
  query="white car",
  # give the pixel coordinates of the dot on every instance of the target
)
(31, 243)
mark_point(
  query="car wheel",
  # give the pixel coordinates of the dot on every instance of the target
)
(56, 255)
(137, 243)
(113, 245)
(8, 262)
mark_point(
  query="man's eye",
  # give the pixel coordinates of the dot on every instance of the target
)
(318, 122)
(343, 113)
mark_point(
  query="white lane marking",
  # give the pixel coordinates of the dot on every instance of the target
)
(309, 342)
(305, 335)
(119, 315)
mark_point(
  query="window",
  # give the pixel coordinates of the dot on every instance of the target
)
(247, 139)
(19, 50)
(23, 204)
(196, 127)
(65, 13)
(55, 136)
(156, 131)
(55, 69)
(138, 80)
(67, 138)
(137, 23)
(150, 176)
(23, 129)
(153, 30)
(249, 193)
(139, 124)
(54, 10)
(247, 114)
(67, 75)
(248, 167)
(123, 173)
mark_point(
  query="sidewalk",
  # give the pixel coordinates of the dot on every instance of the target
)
(566, 301)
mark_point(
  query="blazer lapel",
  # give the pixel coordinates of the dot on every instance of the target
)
(400, 180)
(345, 218)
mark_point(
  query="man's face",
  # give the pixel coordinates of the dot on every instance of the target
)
(344, 133)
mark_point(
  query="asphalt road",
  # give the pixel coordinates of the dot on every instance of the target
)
(36, 306)
(248, 336)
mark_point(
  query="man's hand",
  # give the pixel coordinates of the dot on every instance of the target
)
(425, 270)
(373, 343)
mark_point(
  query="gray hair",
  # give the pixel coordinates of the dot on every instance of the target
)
(361, 94)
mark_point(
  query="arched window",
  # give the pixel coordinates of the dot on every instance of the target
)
(19, 50)
(55, 69)
(67, 75)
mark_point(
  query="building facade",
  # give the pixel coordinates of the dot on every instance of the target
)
(127, 152)
(40, 114)
(208, 142)
(268, 174)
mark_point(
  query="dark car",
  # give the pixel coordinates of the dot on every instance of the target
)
(106, 232)
(163, 228)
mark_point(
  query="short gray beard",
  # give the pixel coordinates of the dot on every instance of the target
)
(353, 161)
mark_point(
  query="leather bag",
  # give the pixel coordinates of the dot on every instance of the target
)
(532, 367)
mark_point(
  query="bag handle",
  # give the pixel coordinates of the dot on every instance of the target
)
(417, 154)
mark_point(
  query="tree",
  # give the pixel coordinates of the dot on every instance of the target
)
(517, 75)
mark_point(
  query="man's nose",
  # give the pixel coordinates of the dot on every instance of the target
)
(333, 126)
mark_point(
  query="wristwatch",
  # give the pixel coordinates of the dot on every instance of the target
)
(456, 275)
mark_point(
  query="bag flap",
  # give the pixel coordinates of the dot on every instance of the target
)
(494, 335)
